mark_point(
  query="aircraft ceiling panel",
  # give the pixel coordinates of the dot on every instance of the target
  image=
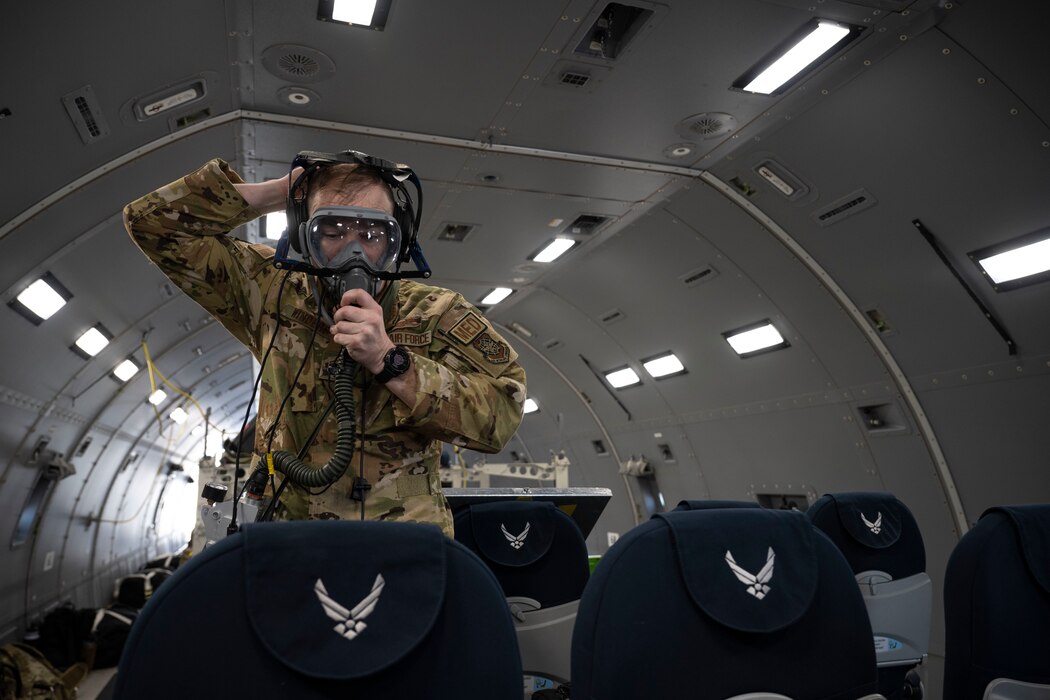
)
(173, 42)
(776, 274)
(510, 226)
(681, 65)
(415, 88)
(877, 255)
(1009, 37)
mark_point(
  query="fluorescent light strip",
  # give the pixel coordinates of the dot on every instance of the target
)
(276, 223)
(92, 341)
(1019, 262)
(622, 377)
(496, 296)
(41, 299)
(531, 406)
(126, 370)
(554, 250)
(157, 397)
(663, 366)
(354, 11)
(797, 58)
(756, 339)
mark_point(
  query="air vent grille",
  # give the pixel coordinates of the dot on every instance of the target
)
(552, 344)
(454, 232)
(849, 205)
(611, 316)
(89, 118)
(702, 274)
(300, 63)
(706, 125)
(83, 109)
(586, 224)
(574, 79)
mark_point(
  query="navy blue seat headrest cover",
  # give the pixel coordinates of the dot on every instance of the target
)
(872, 519)
(752, 570)
(513, 533)
(289, 571)
(1032, 524)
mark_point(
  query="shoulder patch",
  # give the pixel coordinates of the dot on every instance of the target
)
(495, 351)
(468, 328)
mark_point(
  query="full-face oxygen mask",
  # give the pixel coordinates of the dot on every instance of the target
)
(348, 247)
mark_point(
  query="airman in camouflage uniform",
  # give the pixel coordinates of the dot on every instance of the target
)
(470, 390)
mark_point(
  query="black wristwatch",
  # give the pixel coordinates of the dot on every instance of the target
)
(395, 363)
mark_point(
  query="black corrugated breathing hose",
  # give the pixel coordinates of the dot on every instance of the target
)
(303, 474)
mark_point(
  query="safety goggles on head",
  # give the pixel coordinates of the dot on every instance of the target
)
(337, 238)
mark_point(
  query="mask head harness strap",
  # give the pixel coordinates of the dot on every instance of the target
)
(290, 254)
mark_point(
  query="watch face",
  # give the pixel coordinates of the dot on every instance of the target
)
(399, 360)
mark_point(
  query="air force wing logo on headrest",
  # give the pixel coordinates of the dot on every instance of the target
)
(350, 621)
(875, 527)
(516, 541)
(757, 584)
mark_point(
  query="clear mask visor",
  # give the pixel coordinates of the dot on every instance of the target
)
(338, 238)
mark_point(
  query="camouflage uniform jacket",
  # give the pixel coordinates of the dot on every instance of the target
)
(471, 389)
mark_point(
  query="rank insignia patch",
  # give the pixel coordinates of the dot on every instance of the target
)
(468, 328)
(494, 351)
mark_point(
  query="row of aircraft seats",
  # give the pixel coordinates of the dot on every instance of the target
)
(716, 600)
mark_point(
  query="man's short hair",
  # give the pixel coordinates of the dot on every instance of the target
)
(348, 179)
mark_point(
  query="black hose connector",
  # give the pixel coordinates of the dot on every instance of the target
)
(303, 474)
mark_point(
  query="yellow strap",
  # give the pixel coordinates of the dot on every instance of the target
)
(269, 463)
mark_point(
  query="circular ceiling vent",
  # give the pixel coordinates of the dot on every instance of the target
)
(707, 125)
(301, 64)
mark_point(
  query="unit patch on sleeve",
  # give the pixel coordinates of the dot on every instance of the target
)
(468, 328)
(495, 351)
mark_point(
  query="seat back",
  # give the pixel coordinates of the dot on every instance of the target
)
(324, 609)
(539, 556)
(716, 603)
(881, 540)
(997, 607)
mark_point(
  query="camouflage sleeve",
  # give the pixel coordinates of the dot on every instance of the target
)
(472, 391)
(180, 228)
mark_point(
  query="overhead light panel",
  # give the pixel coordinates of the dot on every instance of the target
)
(126, 370)
(157, 397)
(1016, 263)
(496, 296)
(531, 406)
(178, 415)
(40, 300)
(92, 341)
(358, 13)
(756, 338)
(553, 250)
(664, 365)
(622, 377)
(276, 223)
(787, 64)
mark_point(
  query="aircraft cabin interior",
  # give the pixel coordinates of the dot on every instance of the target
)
(777, 273)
